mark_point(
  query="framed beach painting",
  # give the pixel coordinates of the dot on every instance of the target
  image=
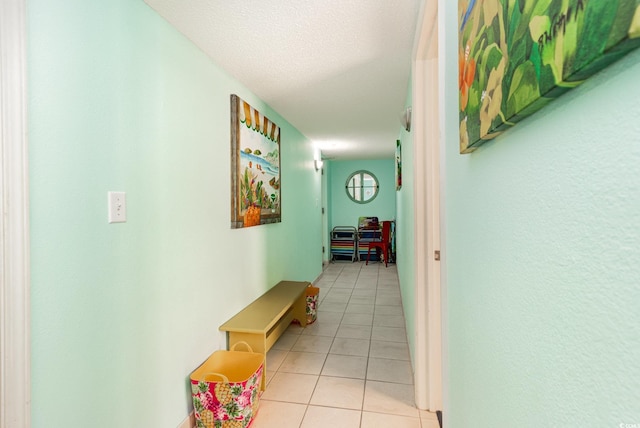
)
(255, 167)
(398, 165)
(515, 56)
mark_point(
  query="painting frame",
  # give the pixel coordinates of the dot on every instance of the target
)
(398, 164)
(255, 167)
(516, 56)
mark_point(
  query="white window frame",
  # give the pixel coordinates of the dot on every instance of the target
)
(356, 192)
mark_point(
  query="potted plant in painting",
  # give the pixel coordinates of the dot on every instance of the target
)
(252, 197)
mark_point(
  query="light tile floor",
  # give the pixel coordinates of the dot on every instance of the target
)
(350, 369)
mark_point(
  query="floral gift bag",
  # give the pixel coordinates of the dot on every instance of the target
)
(226, 389)
(312, 304)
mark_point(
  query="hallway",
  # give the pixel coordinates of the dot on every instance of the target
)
(350, 369)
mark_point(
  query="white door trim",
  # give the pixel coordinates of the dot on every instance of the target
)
(15, 353)
(426, 143)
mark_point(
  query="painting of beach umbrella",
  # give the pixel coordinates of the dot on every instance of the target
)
(255, 166)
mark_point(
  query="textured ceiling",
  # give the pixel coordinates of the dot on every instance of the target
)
(337, 70)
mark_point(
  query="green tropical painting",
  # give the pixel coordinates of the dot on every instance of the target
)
(515, 56)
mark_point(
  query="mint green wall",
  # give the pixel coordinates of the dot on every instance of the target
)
(122, 313)
(543, 244)
(405, 232)
(345, 212)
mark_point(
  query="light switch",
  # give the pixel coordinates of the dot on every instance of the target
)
(117, 207)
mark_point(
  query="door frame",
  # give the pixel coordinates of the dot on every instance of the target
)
(426, 150)
(15, 350)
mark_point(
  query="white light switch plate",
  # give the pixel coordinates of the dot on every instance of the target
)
(117, 207)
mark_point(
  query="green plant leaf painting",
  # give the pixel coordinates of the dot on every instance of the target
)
(515, 56)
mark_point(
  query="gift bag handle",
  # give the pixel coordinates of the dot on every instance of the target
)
(208, 377)
(233, 348)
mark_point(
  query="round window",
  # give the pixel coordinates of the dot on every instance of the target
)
(362, 187)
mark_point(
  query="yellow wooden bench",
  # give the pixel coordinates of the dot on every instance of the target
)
(262, 322)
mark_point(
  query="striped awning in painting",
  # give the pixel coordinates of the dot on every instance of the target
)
(259, 123)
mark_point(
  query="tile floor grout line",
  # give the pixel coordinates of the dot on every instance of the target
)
(340, 320)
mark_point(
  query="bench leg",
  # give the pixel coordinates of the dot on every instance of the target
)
(257, 343)
(300, 310)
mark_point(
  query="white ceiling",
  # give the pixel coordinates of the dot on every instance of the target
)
(337, 70)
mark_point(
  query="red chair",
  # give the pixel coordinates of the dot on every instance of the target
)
(384, 245)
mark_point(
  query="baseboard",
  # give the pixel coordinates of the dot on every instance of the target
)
(189, 422)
